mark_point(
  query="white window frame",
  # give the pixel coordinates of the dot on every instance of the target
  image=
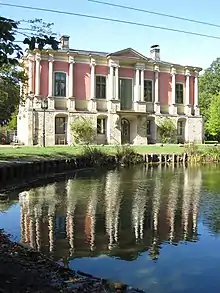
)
(106, 86)
(152, 81)
(183, 84)
(67, 84)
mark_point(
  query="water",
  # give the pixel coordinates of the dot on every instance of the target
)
(153, 228)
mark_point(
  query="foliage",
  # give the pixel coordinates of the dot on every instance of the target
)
(83, 131)
(10, 77)
(127, 155)
(167, 130)
(10, 52)
(191, 149)
(94, 155)
(213, 122)
(11, 72)
(209, 86)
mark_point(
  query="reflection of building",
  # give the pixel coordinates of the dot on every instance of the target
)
(80, 218)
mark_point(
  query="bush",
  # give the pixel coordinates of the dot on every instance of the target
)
(127, 155)
(191, 149)
(83, 131)
(167, 130)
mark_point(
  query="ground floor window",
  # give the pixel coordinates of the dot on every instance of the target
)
(149, 122)
(101, 125)
(180, 128)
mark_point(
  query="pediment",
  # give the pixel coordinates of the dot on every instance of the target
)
(130, 53)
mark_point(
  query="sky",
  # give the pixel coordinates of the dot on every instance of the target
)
(90, 34)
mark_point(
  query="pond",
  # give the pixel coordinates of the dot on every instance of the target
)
(155, 228)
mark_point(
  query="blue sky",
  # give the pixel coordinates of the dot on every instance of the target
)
(107, 36)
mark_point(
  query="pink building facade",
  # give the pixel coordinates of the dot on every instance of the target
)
(124, 94)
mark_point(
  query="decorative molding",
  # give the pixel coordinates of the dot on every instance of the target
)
(187, 72)
(173, 71)
(38, 57)
(113, 63)
(140, 66)
(50, 58)
(92, 62)
(156, 68)
(71, 59)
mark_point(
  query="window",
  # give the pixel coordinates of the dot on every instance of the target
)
(101, 125)
(180, 128)
(148, 127)
(148, 90)
(100, 87)
(60, 125)
(179, 93)
(60, 84)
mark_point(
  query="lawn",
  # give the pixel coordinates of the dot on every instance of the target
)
(10, 153)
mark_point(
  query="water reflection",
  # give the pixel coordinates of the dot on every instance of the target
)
(119, 213)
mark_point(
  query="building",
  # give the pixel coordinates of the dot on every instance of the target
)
(124, 94)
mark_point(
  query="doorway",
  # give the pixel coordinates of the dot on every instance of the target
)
(125, 131)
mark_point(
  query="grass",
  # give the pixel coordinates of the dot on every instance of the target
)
(13, 153)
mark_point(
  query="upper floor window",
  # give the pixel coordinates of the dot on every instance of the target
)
(101, 125)
(60, 84)
(100, 87)
(148, 90)
(179, 93)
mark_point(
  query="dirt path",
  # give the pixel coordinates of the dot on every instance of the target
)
(24, 270)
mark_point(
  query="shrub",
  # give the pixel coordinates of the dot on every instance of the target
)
(127, 155)
(191, 149)
(167, 130)
(83, 131)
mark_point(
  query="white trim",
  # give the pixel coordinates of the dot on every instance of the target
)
(152, 81)
(67, 84)
(184, 92)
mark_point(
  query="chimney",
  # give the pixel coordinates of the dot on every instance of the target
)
(155, 52)
(64, 40)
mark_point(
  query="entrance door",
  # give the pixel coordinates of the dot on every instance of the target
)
(125, 131)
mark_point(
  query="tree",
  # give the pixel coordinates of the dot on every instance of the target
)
(83, 131)
(213, 121)
(209, 87)
(167, 130)
(38, 34)
(10, 52)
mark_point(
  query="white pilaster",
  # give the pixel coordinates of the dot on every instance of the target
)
(142, 85)
(110, 83)
(30, 74)
(92, 79)
(116, 83)
(50, 75)
(71, 68)
(92, 101)
(37, 77)
(187, 101)
(173, 108)
(156, 90)
(196, 94)
(137, 85)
